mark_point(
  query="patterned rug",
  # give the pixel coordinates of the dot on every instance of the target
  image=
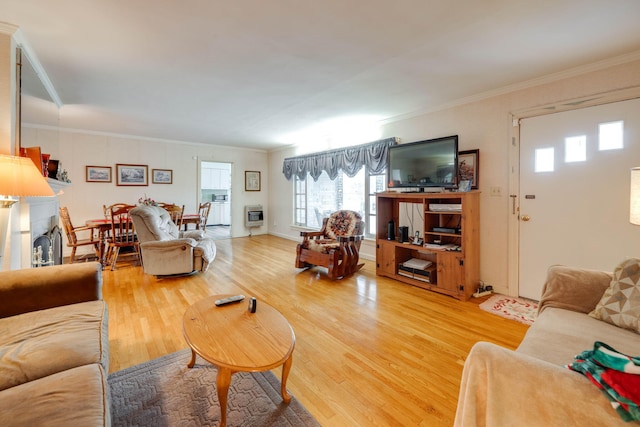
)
(164, 392)
(520, 309)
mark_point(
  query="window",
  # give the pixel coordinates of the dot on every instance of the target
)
(610, 136)
(544, 160)
(315, 200)
(575, 149)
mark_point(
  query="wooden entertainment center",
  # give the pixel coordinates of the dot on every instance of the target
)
(450, 220)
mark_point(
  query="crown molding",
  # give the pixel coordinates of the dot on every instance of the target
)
(30, 55)
(6, 28)
(527, 84)
(136, 137)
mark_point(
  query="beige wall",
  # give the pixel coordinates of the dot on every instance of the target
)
(76, 150)
(484, 124)
(7, 89)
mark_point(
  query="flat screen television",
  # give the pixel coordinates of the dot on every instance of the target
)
(424, 164)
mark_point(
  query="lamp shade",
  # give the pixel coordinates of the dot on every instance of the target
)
(634, 197)
(19, 177)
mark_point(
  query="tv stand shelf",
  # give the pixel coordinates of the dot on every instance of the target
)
(456, 261)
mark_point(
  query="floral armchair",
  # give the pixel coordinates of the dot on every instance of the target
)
(336, 246)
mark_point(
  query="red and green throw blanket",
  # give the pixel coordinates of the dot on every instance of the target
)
(616, 374)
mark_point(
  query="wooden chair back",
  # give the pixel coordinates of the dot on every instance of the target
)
(203, 211)
(122, 232)
(68, 225)
(73, 241)
(106, 210)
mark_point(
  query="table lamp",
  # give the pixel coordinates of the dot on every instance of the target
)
(19, 177)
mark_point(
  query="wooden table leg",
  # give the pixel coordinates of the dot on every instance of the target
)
(193, 359)
(101, 245)
(223, 380)
(285, 374)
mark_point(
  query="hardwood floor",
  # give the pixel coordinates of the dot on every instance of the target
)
(369, 350)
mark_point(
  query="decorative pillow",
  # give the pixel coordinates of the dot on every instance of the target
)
(620, 304)
(342, 223)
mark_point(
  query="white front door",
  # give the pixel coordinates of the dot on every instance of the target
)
(574, 210)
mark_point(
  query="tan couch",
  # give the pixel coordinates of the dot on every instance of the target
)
(165, 249)
(54, 349)
(531, 386)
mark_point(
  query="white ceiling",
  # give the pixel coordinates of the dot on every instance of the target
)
(246, 73)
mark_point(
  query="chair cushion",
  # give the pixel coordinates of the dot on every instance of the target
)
(342, 223)
(321, 245)
(75, 397)
(40, 343)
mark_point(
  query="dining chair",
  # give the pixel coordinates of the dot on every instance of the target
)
(106, 210)
(122, 234)
(203, 211)
(72, 237)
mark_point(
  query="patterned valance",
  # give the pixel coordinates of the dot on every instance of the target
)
(374, 155)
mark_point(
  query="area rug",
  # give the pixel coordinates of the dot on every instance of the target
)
(164, 392)
(520, 309)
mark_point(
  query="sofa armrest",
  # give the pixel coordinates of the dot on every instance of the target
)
(168, 244)
(193, 234)
(32, 289)
(574, 289)
(501, 387)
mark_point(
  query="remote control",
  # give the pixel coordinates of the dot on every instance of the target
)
(229, 300)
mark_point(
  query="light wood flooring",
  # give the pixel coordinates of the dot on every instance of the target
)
(370, 351)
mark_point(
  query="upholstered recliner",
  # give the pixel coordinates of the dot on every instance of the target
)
(336, 246)
(166, 250)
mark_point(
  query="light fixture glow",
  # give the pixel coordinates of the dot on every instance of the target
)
(335, 133)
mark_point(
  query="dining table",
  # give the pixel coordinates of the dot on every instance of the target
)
(103, 225)
(191, 219)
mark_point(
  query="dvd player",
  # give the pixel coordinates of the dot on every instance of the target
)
(446, 230)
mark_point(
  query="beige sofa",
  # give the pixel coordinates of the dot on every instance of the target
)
(54, 351)
(531, 386)
(166, 250)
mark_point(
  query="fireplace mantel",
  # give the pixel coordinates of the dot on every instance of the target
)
(37, 216)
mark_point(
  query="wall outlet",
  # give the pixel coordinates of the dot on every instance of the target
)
(495, 191)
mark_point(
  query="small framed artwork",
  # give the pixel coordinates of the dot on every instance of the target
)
(464, 186)
(162, 176)
(98, 173)
(53, 168)
(133, 175)
(251, 181)
(468, 167)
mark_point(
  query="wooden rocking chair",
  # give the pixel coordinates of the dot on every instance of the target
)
(336, 246)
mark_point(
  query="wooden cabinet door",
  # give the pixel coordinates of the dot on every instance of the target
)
(450, 272)
(386, 258)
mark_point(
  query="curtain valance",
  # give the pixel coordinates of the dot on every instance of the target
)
(374, 155)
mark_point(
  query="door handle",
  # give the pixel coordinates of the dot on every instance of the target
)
(525, 218)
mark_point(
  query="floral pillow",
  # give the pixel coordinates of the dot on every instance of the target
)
(620, 304)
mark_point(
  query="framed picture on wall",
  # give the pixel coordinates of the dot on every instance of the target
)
(132, 175)
(252, 181)
(468, 167)
(98, 173)
(161, 176)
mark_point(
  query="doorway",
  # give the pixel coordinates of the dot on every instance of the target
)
(215, 187)
(574, 191)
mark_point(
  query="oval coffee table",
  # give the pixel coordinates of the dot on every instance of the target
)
(235, 340)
